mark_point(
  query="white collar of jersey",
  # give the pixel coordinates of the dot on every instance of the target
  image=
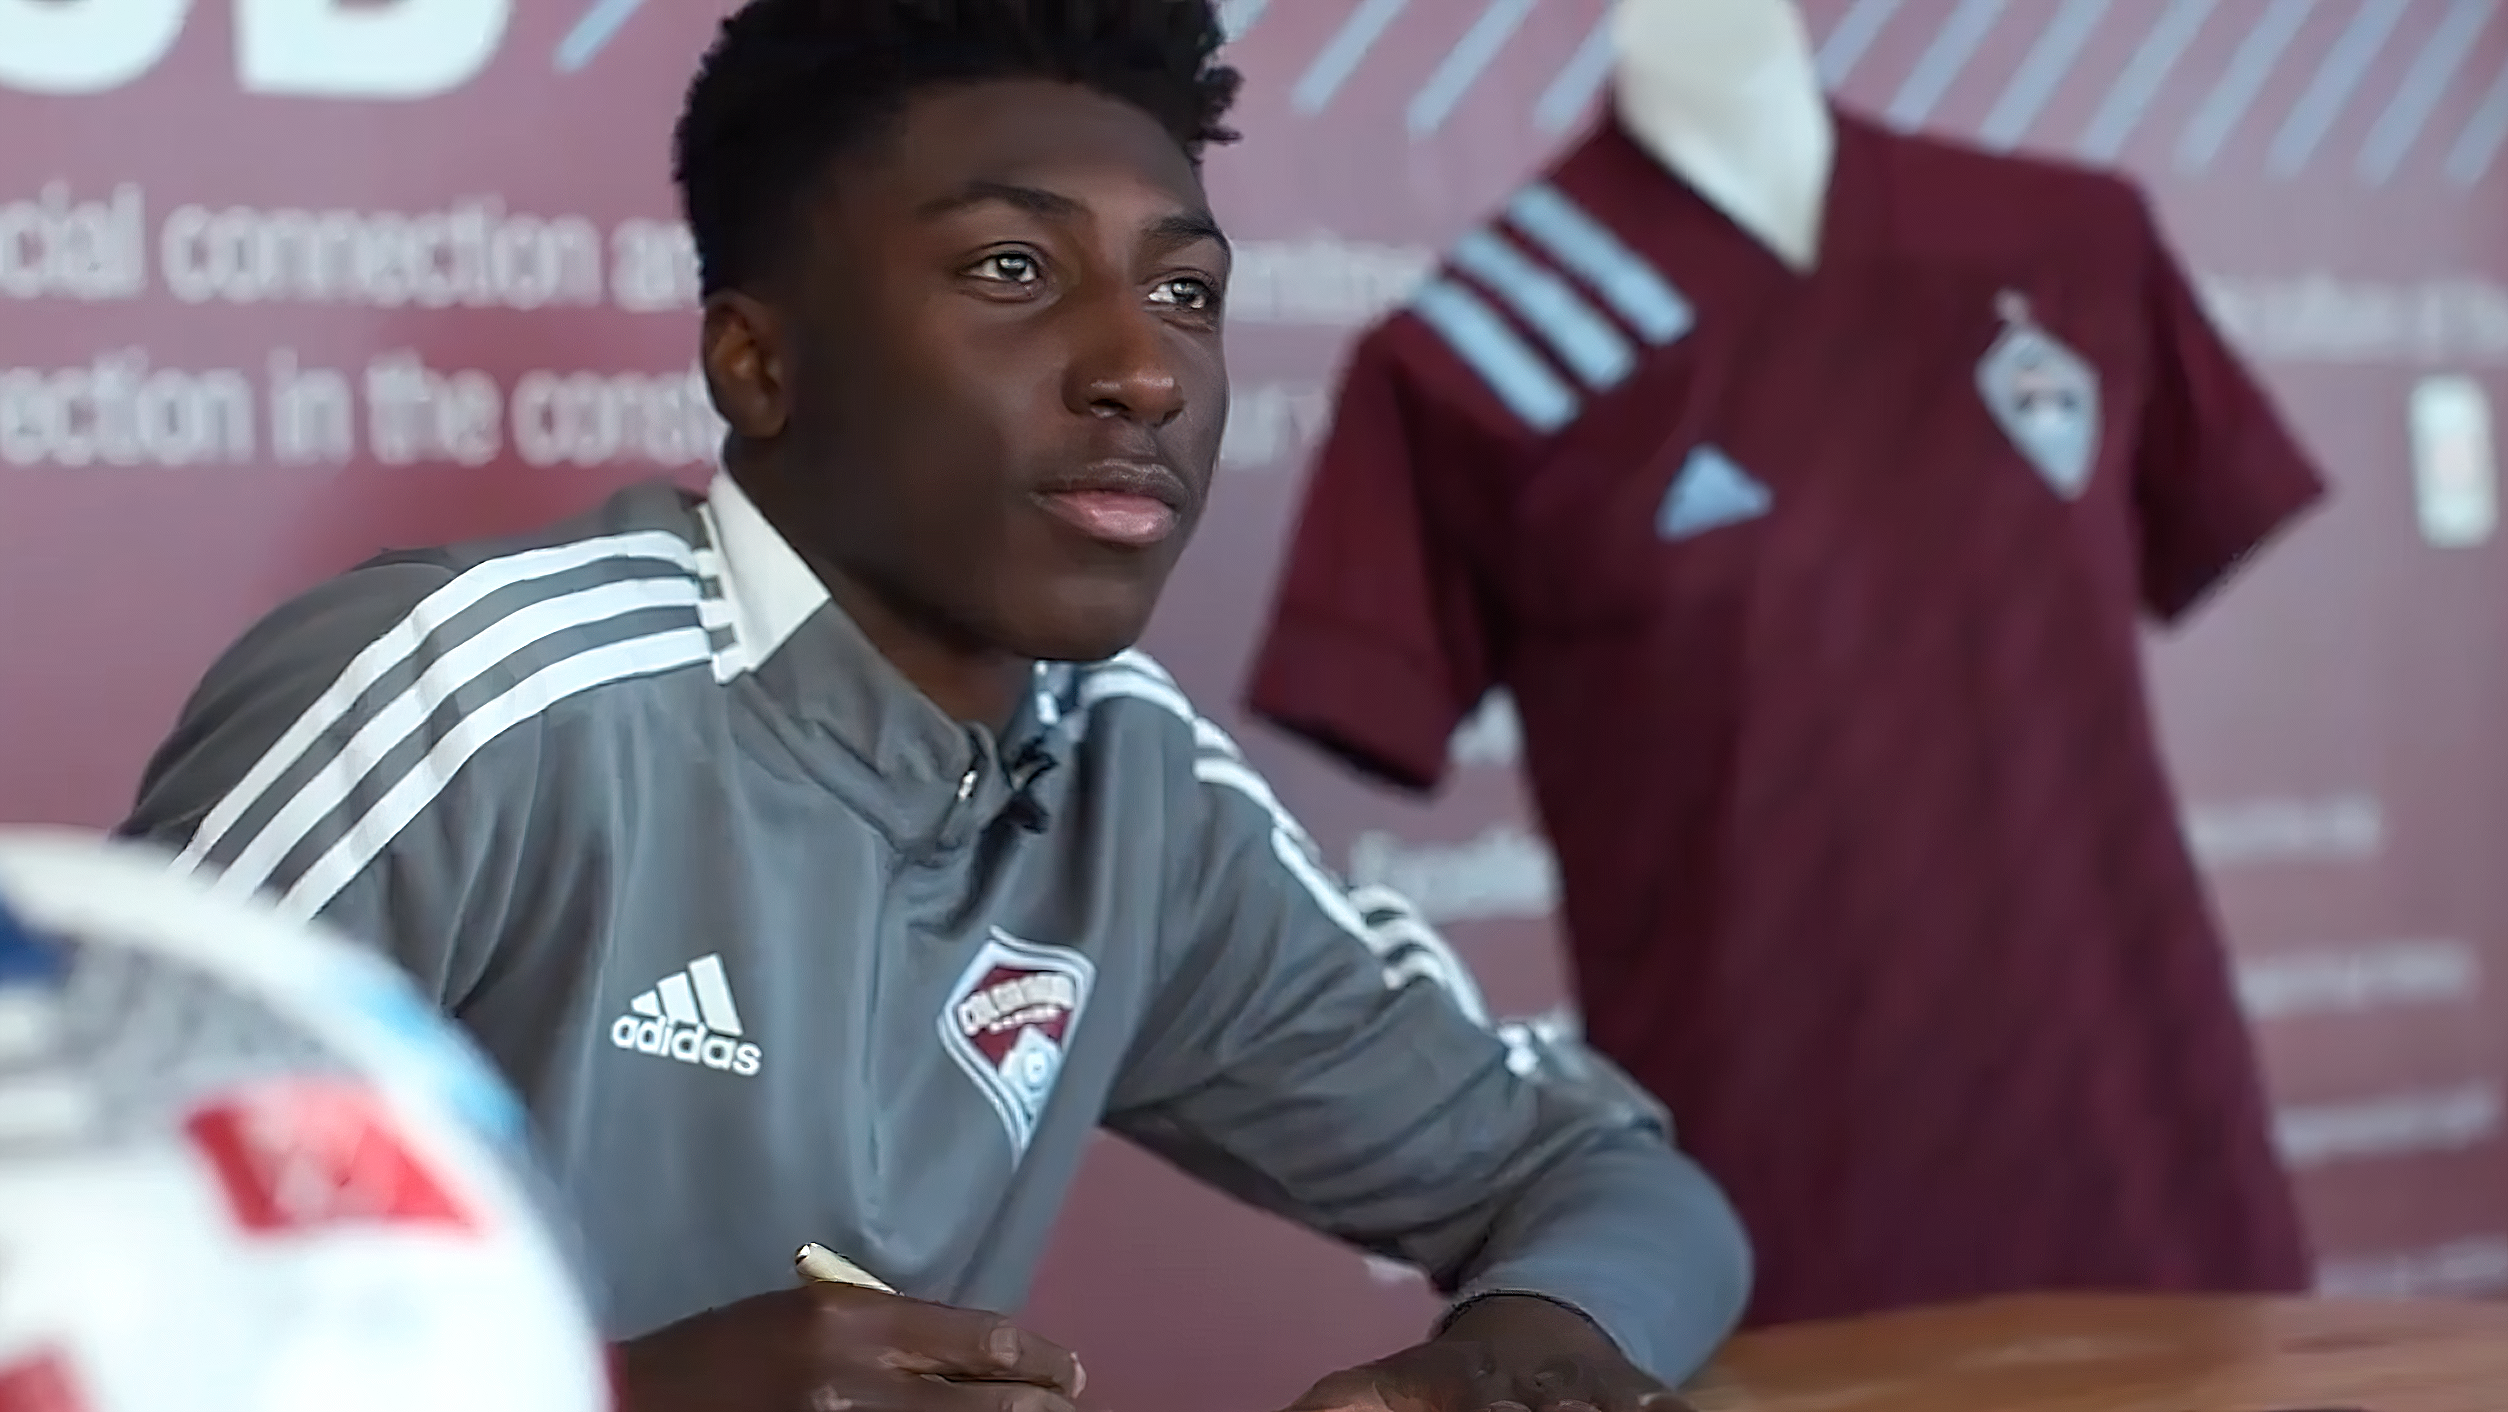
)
(770, 589)
(1726, 93)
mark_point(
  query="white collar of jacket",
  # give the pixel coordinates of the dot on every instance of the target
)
(771, 590)
(810, 656)
(1726, 94)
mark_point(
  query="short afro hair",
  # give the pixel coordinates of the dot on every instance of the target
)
(789, 84)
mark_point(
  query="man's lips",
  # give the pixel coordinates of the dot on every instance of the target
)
(1125, 504)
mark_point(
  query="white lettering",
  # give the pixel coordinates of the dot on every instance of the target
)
(2337, 828)
(1323, 281)
(313, 419)
(691, 1044)
(2475, 1265)
(53, 247)
(2445, 1120)
(2322, 318)
(653, 267)
(364, 49)
(116, 412)
(2354, 979)
(1506, 872)
(472, 255)
(415, 414)
(592, 419)
(84, 46)
(1272, 423)
(395, 49)
(1025, 1000)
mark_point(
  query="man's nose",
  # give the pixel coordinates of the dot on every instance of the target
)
(1124, 365)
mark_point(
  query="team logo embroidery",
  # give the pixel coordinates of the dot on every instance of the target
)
(1008, 1023)
(2045, 396)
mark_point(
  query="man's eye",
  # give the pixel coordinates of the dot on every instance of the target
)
(1010, 267)
(1193, 295)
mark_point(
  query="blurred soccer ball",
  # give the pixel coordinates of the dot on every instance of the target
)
(244, 1169)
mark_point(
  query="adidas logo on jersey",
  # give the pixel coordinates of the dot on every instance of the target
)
(1710, 493)
(689, 1017)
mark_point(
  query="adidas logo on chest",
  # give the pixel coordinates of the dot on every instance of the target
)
(689, 1017)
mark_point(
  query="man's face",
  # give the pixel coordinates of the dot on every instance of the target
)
(1003, 383)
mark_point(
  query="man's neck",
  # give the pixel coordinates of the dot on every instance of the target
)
(967, 680)
(971, 683)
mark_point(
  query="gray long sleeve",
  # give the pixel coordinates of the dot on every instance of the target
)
(1323, 1055)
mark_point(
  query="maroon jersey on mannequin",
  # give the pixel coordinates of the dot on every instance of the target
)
(1818, 597)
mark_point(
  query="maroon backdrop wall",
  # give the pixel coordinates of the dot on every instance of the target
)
(285, 281)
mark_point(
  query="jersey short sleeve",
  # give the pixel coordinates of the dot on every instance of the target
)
(2217, 472)
(1382, 638)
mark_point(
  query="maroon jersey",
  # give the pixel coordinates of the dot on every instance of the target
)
(1818, 597)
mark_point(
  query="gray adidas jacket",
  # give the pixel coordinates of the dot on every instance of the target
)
(776, 951)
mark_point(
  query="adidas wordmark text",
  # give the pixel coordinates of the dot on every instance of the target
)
(689, 1017)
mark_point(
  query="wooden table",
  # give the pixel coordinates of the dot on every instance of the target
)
(2126, 1354)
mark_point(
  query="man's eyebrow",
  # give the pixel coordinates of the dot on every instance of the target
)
(1186, 227)
(1181, 228)
(1033, 200)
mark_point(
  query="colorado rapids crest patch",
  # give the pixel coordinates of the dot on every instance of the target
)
(2045, 396)
(1008, 1023)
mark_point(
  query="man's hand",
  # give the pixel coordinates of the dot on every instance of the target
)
(835, 1348)
(1507, 1353)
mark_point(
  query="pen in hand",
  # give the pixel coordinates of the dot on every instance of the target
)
(816, 1264)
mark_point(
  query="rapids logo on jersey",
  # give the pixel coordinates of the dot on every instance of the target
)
(2044, 395)
(689, 1017)
(1009, 1021)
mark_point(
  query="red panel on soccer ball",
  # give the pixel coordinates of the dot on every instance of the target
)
(39, 1384)
(300, 1156)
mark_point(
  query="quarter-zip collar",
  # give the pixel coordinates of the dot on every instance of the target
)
(943, 780)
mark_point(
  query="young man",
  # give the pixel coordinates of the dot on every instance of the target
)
(771, 845)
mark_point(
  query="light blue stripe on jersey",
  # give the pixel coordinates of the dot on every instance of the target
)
(1587, 248)
(1583, 338)
(1511, 368)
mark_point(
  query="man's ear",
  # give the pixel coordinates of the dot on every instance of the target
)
(747, 366)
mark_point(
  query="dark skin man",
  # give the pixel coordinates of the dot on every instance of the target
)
(985, 407)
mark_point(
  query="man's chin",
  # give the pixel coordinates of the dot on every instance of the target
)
(1084, 612)
(1091, 630)
(1082, 644)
